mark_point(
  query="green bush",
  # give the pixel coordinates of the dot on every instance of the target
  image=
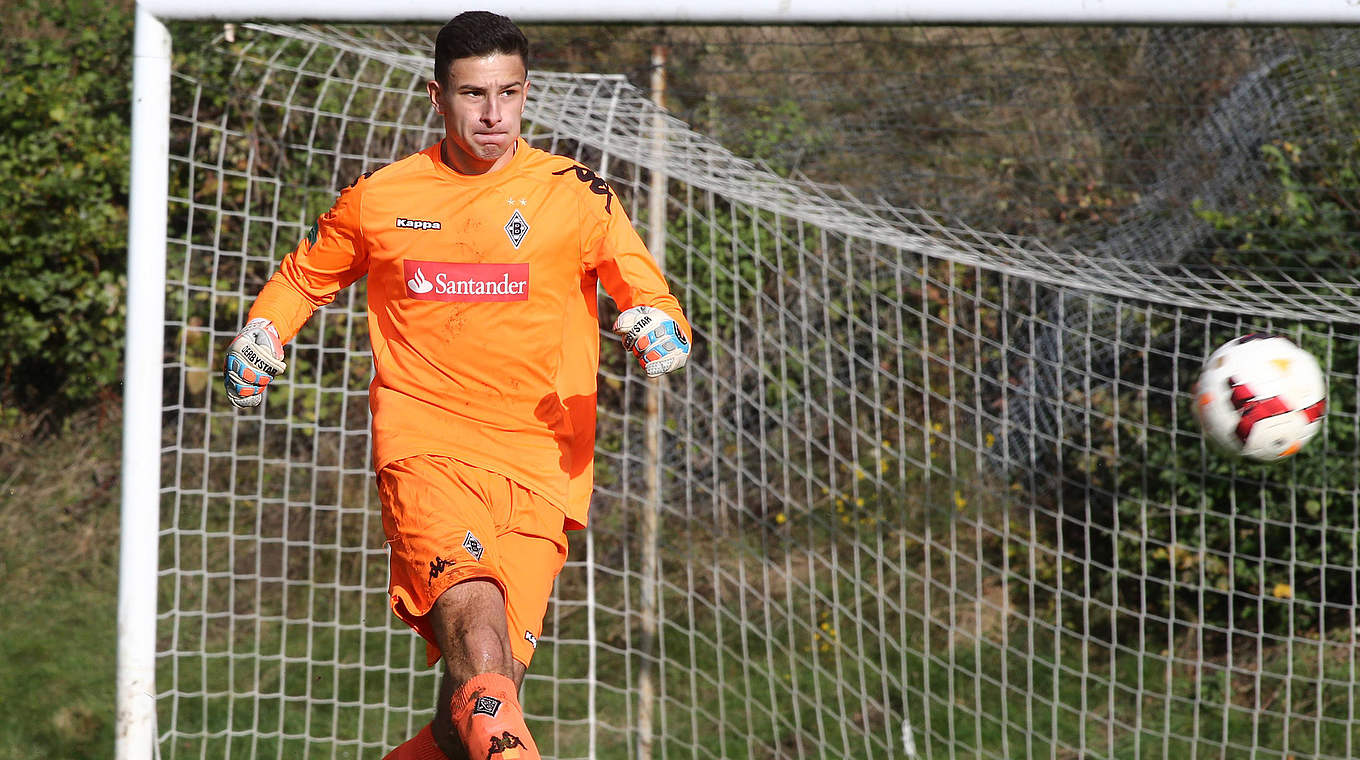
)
(65, 82)
(1244, 547)
(1285, 521)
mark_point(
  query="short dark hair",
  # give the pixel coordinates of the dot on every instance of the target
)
(477, 34)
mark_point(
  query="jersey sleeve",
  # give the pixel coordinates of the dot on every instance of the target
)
(627, 270)
(330, 257)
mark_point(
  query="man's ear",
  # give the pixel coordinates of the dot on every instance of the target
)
(435, 91)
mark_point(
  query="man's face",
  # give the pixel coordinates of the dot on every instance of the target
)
(482, 100)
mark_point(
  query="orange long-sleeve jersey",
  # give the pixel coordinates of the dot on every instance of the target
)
(481, 309)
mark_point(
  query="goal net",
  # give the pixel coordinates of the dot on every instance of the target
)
(930, 485)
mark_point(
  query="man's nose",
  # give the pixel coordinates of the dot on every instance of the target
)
(491, 113)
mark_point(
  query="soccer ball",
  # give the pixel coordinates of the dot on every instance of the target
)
(1261, 397)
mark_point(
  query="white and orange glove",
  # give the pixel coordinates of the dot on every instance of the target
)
(254, 358)
(654, 338)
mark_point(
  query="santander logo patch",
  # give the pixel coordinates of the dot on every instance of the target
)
(453, 281)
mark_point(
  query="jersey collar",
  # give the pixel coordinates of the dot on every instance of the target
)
(444, 170)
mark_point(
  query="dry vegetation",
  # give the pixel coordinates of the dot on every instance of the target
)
(58, 501)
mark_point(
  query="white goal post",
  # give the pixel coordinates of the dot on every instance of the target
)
(150, 196)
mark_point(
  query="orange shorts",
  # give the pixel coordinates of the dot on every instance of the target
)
(448, 522)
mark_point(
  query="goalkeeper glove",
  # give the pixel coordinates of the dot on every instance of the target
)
(253, 359)
(654, 338)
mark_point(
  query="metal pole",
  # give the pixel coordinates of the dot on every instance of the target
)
(907, 12)
(651, 515)
(592, 656)
(135, 722)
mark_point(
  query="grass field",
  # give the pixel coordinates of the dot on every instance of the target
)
(58, 558)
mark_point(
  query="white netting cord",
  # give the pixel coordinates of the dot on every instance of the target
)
(569, 106)
(905, 460)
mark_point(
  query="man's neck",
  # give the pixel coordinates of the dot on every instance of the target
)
(477, 170)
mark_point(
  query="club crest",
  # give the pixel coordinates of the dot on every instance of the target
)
(473, 546)
(516, 229)
(488, 706)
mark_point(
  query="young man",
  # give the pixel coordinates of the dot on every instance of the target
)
(482, 256)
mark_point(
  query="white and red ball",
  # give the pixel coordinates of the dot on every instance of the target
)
(1261, 397)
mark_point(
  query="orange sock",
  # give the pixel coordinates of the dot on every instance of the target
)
(488, 717)
(419, 747)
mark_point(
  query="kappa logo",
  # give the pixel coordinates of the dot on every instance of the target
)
(437, 567)
(473, 546)
(488, 706)
(516, 229)
(531, 638)
(365, 175)
(507, 745)
(597, 185)
(416, 224)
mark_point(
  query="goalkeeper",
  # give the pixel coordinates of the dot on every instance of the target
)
(482, 256)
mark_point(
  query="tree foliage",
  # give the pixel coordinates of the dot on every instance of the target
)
(65, 81)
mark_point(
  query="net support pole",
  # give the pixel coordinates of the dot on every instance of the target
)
(135, 722)
(651, 515)
(1100, 12)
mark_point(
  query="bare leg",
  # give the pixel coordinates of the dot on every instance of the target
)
(470, 629)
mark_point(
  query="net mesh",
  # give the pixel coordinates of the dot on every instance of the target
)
(929, 485)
